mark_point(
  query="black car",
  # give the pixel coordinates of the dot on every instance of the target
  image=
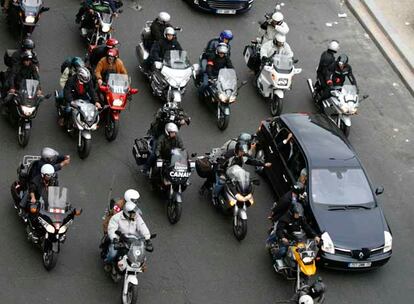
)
(227, 7)
(341, 203)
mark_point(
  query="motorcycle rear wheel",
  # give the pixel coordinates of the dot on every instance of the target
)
(49, 259)
(174, 210)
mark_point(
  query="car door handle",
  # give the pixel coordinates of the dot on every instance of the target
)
(284, 177)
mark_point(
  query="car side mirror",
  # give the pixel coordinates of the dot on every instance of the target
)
(379, 190)
(133, 91)
(78, 211)
(103, 89)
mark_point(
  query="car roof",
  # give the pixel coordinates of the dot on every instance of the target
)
(323, 143)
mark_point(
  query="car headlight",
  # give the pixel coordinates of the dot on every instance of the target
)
(223, 97)
(387, 241)
(282, 81)
(327, 244)
(29, 19)
(28, 110)
(117, 102)
(106, 28)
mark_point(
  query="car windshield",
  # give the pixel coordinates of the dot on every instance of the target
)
(179, 159)
(118, 83)
(227, 80)
(31, 6)
(176, 60)
(283, 63)
(239, 175)
(340, 187)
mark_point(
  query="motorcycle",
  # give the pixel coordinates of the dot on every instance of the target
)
(274, 78)
(22, 108)
(299, 264)
(25, 14)
(102, 31)
(48, 221)
(343, 103)
(223, 92)
(117, 92)
(83, 117)
(131, 262)
(169, 78)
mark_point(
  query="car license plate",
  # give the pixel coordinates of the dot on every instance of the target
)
(224, 11)
(359, 265)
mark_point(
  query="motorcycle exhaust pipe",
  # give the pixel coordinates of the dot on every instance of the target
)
(310, 85)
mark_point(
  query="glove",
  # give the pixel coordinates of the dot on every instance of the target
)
(148, 246)
(329, 82)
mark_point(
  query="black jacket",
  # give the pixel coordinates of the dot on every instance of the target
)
(325, 66)
(37, 166)
(282, 206)
(70, 91)
(22, 72)
(157, 29)
(162, 118)
(16, 57)
(288, 224)
(210, 50)
(230, 159)
(166, 144)
(39, 188)
(338, 76)
(159, 48)
(217, 63)
(97, 54)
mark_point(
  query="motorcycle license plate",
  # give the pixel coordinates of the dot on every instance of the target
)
(359, 265)
(226, 11)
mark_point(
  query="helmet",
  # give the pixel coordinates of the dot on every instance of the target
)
(112, 53)
(171, 127)
(111, 42)
(164, 17)
(49, 155)
(222, 48)
(296, 208)
(304, 172)
(226, 34)
(317, 288)
(342, 59)
(277, 17)
(28, 44)
(298, 188)
(279, 38)
(241, 147)
(246, 137)
(77, 62)
(27, 55)
(169, 31)
(333, 46)
(47, 170)
(305, 299)
(83, 74)
(129, 210)
(131, 195)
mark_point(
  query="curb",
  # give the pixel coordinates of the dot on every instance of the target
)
(382, 40)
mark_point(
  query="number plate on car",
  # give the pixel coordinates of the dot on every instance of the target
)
(359, 265)
(224, 11)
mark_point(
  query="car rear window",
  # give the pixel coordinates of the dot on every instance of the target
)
(340, 186)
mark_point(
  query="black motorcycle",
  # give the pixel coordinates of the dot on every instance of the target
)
(21, 107)
(24, 15)
(47, 221)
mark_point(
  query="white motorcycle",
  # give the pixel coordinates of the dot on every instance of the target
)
(343, 103)
(274, 79)
(103, 25)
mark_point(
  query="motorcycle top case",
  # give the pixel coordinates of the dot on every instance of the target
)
(252, 57)
(141, 150)
(204, 167)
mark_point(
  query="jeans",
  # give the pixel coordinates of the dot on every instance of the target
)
(152, 157)
(112, 253)
(218, 186)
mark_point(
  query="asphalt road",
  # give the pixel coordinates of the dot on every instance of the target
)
(199, 260)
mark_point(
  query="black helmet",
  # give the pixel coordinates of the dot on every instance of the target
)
(297, 208)
(26, 55)
(246, 137)
(317, 289)
(28, 44)
(49, 155)
(342, 59)
(241, 146)
(298, 188)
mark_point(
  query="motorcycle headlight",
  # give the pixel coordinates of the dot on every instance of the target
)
(307, 260)
(282, 81)
(28, 110)
(29, 19)
(49, 228)
(327, 244)
(387, 241)
(242, 198)
(352, 108)
(106, 28)
(232, 98)
(344, 108)
(117, 102)
(223, 97)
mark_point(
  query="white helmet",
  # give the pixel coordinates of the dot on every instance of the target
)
(171, 127)
(129, 210)
(164, 17)
(333, 46)
(131, 195)
(49, 155)
(277, 17)
(222, 48)
(169, 31)
(279, 38)
(47, 170)
(305, 299)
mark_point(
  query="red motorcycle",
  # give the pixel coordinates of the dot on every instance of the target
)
(116, 92)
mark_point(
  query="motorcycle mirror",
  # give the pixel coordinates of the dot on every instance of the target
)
(133, 91)
(256, 182)
(153, 236)
(178, 29)
(120, 11)
(242, 84)
(295, 61)
(193, 154)
(103, 89)
(158, 65)
(297, 71)
(379, 190)
(118, 233)
(365, 97)
(78, 211)
(196, 67)
(44, 9)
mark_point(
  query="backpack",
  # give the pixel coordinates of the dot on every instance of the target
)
(66, 64)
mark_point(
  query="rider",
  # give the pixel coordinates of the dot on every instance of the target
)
(274, 25)
(293, 221)
(276, 46)
(26, 45)
(85, 15)
(285, 202)
(167, 43)
(70, 70)
(48, 156)
(109, 64)
(158, 27)
(219, 61)
(101, 51)
(118, 206)
(168, 141)
(127, 222)
(210, 51)
(325, 64)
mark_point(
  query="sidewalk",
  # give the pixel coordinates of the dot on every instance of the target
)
(391, 25)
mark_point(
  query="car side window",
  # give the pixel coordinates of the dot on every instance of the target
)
(296, 162)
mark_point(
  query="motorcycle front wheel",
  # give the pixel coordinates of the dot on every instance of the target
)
(85, 148)
(132, 294)
(49, 259)
(239, 228)
(111, 128)
(222, 119)
(174, 210)
(23, 136)
(276, 105)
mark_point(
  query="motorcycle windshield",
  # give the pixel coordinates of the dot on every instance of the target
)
(57, 198)
(283, 63)
(136, 253)
(240, 176)
(176, 60)
(28, 89)
(179, 159)
(31, 7)
(118, 83)
(227, 80)
(349, 91)
(102, 8)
